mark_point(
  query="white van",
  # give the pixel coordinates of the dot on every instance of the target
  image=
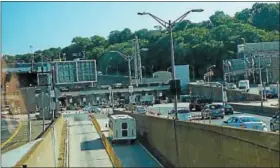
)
(122, 128)
(244, 85)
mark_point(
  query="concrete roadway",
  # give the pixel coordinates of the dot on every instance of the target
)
(85, 146)
(164, 108)
(135, 155)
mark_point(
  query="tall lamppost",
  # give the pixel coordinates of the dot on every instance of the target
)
(169, 26)
(209, 70)
(128, 59)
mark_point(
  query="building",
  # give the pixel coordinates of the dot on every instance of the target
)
(252, 57)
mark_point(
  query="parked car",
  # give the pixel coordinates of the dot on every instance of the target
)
(183, 114)
(246, 121)
(213, 111)
(274, 122)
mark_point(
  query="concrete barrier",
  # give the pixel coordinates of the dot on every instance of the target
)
(246, 108)
(107, 145)
(190, 144)
(42, 153)
(216, 93)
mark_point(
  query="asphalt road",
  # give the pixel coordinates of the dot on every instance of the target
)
(164, 108)
(134, 155)
(85, 146)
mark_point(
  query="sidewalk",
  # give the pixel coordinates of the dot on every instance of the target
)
(10, 159)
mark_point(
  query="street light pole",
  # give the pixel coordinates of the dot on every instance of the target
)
(169, 26)
(128, 59)
(173, 75)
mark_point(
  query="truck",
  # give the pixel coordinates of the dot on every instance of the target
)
(244, 85)
(147, 100)
(198, 103)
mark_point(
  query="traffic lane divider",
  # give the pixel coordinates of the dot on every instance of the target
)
(107, 145)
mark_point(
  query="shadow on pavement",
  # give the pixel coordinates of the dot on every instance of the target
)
(92, 145)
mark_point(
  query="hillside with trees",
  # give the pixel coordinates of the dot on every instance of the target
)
(198, 44)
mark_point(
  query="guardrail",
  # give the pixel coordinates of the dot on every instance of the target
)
(113, 157)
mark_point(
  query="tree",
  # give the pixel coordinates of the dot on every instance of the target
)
(265, 16)
(220, 18)
(197, 44)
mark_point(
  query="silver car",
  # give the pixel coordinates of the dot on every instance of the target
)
(246, 121)
(183, 114)
(141, 110)
(274, 122)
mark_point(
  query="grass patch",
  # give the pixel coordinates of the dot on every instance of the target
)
(61, 156)
(22, 137)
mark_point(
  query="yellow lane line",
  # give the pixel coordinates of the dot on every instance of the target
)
(13, 136)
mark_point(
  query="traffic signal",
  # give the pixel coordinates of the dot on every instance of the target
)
(175, 87)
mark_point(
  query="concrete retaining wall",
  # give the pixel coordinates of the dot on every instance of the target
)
(42, 154)
(187, 144)
(266, 111)
(216, 93)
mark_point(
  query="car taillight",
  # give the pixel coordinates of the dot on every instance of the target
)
(243, 126)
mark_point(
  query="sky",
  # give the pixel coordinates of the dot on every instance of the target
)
(54, 24)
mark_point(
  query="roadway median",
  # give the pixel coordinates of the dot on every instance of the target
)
(107, 145)
(47, 151)
(254, 109)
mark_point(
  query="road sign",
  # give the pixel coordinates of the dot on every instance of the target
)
(130, 89)
(79, 71)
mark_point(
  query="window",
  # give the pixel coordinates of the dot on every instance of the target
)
(124, 133)
(249, 119)
(183, 111)
(111, 124)
(230, 119)
(124, 125)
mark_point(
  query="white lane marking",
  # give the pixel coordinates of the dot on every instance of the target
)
(150, 154)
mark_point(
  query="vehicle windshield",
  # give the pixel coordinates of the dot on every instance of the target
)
(228, 106)
(242, 84)
(216, 106)
(249, 119)
(183, 111)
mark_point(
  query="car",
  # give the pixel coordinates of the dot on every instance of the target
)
(213, 111)
(267, 94)
(228, 109)
(140, 110)
(274, 122)
(183, 114)
(231, 86)
(246, 121)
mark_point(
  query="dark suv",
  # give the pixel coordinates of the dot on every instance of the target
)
(198, 103)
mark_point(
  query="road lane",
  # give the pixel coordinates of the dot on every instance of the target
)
(7, 128)
(134, 155)
(164, 108)
(86, 148)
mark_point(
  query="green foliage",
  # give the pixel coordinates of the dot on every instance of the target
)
(199, 44)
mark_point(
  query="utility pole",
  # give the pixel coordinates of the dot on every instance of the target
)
(139, 67)
(260, 73)
(136, 65)
(169, 26)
